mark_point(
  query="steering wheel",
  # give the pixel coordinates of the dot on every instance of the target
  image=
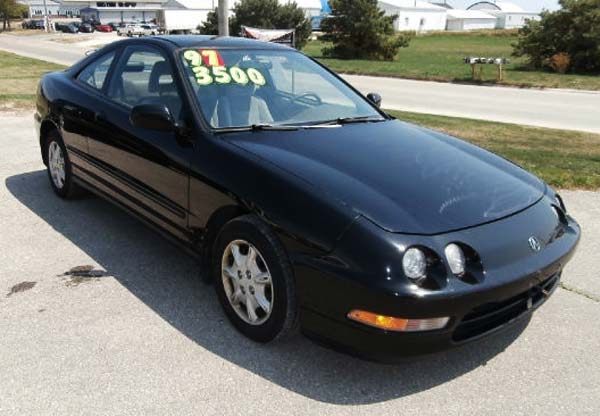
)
(308, 98)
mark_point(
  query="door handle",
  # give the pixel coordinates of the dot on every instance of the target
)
(99, 116)
(75, 111)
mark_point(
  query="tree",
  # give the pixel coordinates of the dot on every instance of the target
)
(570, 34)
(211, 26)
(359, 29)
(264, 14)
(10, 9)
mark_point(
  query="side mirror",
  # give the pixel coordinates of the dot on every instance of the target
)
(374, 98)
(153, 117)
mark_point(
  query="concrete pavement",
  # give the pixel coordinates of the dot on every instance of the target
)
(146, 337)
(563, 109)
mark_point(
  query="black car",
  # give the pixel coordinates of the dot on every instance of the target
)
(86, 28)
(70, 27)
(304, 202)
(33, 24)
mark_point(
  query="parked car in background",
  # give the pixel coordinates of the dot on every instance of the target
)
(130, 30)
(67, 27)
(86, 28)
(102, 28)
(114, 25)
(33, 24)
(150, 30)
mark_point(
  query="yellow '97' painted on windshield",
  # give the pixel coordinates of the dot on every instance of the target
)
(208, 68)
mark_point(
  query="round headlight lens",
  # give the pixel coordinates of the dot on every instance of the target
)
(414, 263)
(455, 258)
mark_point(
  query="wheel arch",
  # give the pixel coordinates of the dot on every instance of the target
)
(217, 220)
(45, 128)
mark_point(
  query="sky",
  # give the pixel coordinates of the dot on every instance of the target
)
(529, 5)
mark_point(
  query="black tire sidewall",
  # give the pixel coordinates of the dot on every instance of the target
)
(283, 310)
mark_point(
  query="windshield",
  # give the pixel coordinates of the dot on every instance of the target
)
(243, 88)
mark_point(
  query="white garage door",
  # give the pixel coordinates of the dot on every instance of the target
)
(109, 16)
(138, 16)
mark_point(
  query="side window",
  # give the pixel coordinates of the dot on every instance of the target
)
(144, 76)
(95, 73)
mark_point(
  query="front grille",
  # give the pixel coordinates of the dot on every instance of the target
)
(489, 316)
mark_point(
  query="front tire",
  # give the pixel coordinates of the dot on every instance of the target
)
(59, 166)
(254, 280)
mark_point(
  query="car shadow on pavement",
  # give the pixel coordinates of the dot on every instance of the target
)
(166, 280)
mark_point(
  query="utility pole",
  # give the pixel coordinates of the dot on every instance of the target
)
(223, 18)
(46, 19)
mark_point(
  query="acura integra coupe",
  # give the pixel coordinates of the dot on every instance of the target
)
(305, 203)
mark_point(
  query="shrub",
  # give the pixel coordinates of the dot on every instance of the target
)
(560, 62)
(573, 31)
(359, 29)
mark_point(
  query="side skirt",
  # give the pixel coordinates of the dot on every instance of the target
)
(186, 246)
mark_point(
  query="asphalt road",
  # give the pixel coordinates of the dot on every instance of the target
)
(563, 109)
(146, 337)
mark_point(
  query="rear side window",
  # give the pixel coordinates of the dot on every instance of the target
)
(95, 73)
(144, 76)
(135, 77)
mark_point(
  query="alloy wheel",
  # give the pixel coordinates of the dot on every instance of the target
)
(56, 164)
(247, 282)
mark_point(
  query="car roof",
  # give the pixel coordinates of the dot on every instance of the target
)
(211, 41)
(183, 41)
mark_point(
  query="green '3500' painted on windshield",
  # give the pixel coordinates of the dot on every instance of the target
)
(220, 74)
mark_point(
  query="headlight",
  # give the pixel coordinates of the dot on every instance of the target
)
(455, 258)
(414, 264)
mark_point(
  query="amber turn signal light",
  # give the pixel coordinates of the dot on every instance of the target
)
(390, 323)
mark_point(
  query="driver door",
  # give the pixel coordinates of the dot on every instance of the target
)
(147, 170)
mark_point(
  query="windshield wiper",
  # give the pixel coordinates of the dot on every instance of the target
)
(360, 119)
(350, 120)
(274, 127)
(266, 126)
(255, 127)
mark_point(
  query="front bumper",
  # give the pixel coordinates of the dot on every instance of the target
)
(515, 284)
(386, 346)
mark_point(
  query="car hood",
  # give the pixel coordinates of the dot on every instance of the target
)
(402, 177)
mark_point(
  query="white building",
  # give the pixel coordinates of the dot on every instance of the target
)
(112, 11)
(509, 15)
(204, 5)
(37, 9)
(415, 15)
(461, 20)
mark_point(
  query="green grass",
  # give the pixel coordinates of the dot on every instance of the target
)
(564, 159)
(439, 57)
(18, 79)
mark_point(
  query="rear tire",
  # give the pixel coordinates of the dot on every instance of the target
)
(59, 167)
(254, 280)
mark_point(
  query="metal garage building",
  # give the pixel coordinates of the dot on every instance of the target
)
(114, 11)
(461, 20)
(509, 15)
